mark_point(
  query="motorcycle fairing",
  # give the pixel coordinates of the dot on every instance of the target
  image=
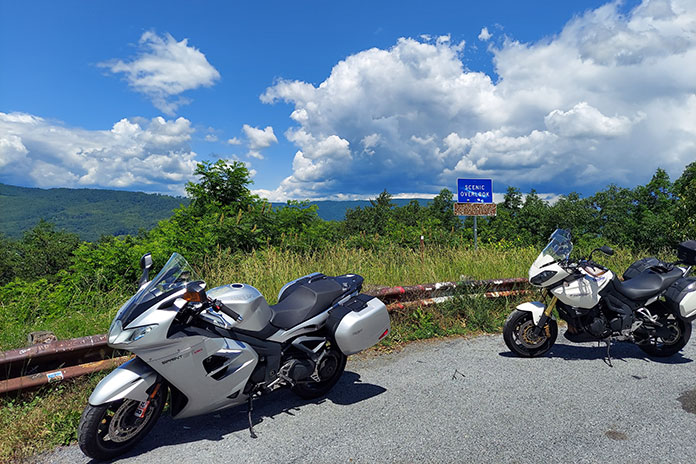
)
(130, 380)
(535, 307)
(583, 292)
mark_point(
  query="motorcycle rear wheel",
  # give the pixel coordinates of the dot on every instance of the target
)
(331, 368)
(659, 347)
(518, 336)
(99, 423)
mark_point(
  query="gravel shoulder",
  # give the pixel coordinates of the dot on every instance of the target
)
(456, 400)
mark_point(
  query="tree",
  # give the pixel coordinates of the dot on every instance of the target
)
(655, 205)
(222, 184)
(684, 190)
(513, 199)
(442, 209)
(8, 259)
(44, 250)
(372, 219)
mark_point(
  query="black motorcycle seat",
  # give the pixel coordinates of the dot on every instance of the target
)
(648, 283)
(305, 301)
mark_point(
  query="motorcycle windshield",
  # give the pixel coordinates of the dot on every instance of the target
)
(559, 246)
(173, 276)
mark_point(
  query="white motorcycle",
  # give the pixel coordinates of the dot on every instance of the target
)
(221, 348)
(653, 306)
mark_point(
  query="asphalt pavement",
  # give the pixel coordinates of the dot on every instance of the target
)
(456, 400)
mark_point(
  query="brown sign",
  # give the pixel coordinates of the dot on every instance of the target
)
(474, 209)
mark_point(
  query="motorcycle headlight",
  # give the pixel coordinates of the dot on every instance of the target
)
(542, 277)
(131, 335)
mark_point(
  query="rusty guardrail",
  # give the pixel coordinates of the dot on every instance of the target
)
(33, 366)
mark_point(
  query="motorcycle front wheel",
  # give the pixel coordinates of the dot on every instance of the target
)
(109, 430)
(518, 333)
(661, 347)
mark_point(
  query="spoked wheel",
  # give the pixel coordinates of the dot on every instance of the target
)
(518, 333)
(330, 369)
(679, 335)
(111, 429)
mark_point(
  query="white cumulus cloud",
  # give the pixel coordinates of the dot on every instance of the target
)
(484, 35)
(612, 96)
(258, 139)
(163, 69)
(151, 155)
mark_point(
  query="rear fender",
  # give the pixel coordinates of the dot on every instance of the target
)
(535, 307)
(131, 380)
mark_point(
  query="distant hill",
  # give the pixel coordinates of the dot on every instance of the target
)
(91, 213)
(330, 210)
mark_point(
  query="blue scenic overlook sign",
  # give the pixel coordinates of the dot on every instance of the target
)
(475, 190)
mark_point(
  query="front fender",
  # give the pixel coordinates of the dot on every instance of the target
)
(535, 307)
(130, 380)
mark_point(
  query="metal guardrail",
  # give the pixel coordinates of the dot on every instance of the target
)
(33, 366)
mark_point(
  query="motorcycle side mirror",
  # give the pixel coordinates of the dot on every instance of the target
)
(606, 250)
(145, 266)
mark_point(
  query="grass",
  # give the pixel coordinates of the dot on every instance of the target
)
(39, 421)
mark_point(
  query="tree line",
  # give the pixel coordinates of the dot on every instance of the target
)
(224, 214)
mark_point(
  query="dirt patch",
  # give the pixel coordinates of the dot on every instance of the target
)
(616, 435)
(688, 401)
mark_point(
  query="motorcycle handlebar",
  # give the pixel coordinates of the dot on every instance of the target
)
(219, 306)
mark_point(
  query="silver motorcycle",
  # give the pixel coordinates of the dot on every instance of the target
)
(209, 350)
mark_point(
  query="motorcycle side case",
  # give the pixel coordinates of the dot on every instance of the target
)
(681, 296)
(359, 323)
(686, 252)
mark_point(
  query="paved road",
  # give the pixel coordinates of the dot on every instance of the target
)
(457, 400)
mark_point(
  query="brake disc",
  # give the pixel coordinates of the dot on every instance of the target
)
(527, 337)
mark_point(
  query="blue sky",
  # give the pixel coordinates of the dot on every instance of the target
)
(343, 100)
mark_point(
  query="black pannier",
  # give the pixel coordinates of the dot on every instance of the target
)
(686, 252)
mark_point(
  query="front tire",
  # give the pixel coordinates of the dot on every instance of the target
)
(109, 430)
(518, 335)
(330, 369)
(660, 347)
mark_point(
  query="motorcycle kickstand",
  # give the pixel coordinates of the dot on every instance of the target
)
(249, 410)
(607, 360)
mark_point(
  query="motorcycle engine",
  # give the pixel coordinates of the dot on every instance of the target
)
(598, 325)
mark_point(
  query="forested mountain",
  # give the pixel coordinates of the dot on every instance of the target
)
(90, 213)
(335, 210)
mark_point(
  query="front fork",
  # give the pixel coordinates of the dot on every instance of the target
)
(539, 328)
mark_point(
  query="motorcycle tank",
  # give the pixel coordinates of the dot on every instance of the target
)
(247, 302)
(583, 292)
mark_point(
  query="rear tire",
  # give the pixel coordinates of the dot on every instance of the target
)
(518, 336)
(659, 347)
(331, 368)
(99, 423)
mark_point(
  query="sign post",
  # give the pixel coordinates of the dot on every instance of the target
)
(475, 198)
